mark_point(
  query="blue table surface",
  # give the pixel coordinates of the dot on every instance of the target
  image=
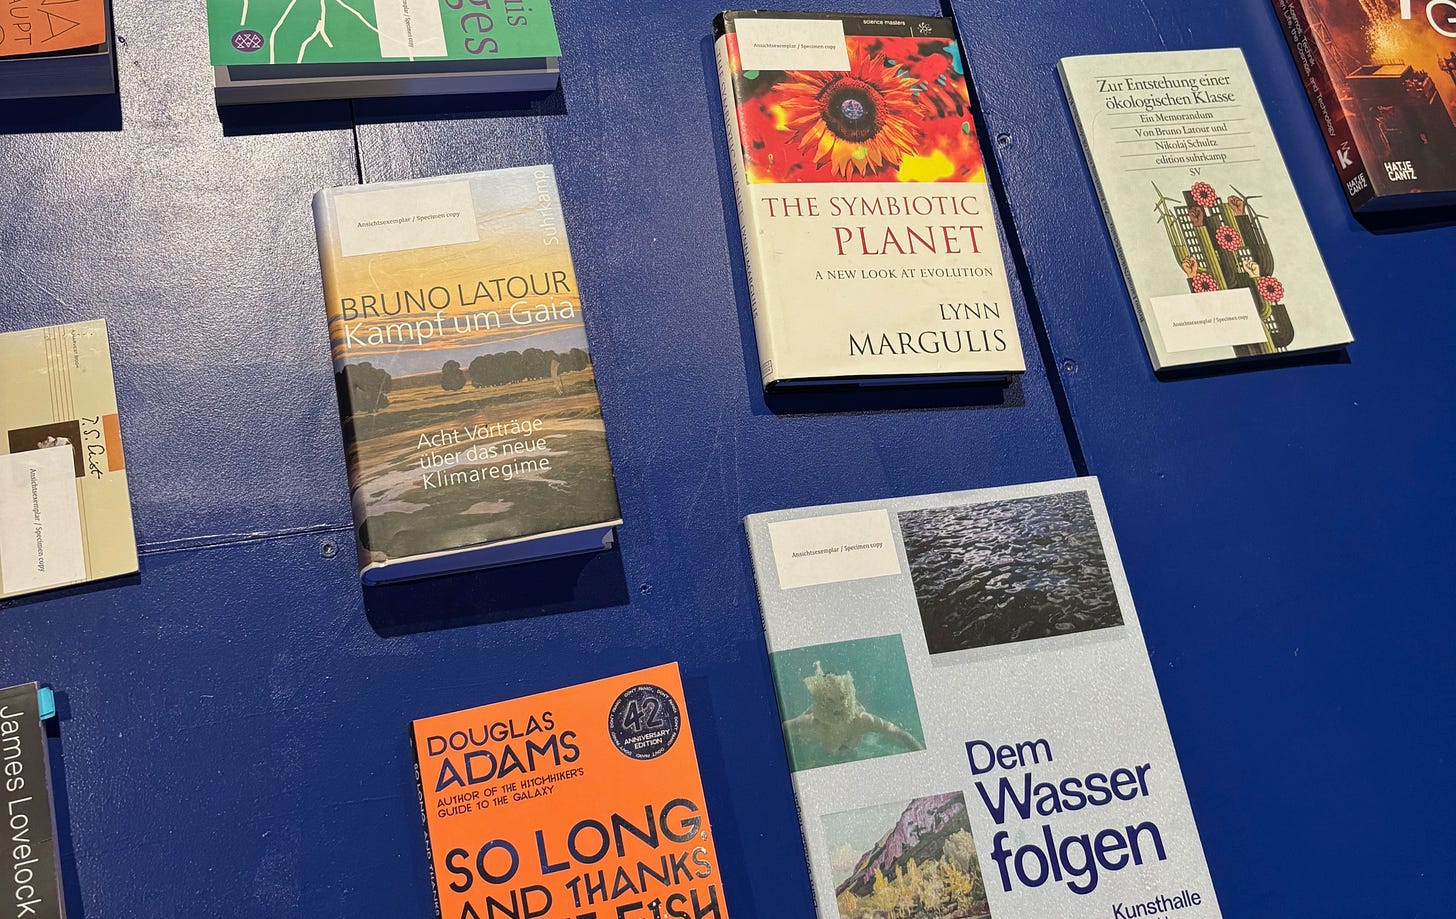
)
(233, 724)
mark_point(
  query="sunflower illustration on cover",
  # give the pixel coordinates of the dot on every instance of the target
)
(901, 112)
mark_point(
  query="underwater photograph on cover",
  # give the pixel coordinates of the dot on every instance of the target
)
(1008, 571)
(846, 701)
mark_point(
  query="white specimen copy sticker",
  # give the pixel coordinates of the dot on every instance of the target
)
(1221, 318)
(40, 520)
(792, 44)
(410, 28)
(841, 547)
(412, 217)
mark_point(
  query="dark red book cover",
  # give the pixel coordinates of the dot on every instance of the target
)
(1381, 75)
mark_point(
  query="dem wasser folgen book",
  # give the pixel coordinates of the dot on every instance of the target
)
(472, 428)
(584, 802)
(1218, 256)
(869, 231)
(65, 510)
(969, 711)
(283, 50)
(30, 877)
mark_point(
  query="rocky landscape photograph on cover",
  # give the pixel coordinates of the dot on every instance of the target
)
(914, 860)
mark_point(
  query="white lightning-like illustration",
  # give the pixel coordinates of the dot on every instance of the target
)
(367, 23)
(273, 36)
(319, 31)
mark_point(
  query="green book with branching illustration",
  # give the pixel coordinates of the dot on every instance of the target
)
(275, 50)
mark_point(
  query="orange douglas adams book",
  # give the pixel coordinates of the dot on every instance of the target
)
(582, 803)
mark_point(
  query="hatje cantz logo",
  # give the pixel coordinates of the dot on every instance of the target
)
(247, 40)
(1441, 14)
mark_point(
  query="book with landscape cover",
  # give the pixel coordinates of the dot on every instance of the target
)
(1381, 75)
(65, 512)
(582, 802)
(30, 879)
(472, 427)
(969, 710)
(282, 51)
(1213, 242)
(870, 234)
(56, 48)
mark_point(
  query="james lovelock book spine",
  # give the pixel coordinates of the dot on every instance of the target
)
(30, 878)
(969, 712)
(870, 237)
(467, 391)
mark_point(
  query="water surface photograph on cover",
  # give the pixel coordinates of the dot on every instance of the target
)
(915, 859)
(1008, 571)
(846, 701)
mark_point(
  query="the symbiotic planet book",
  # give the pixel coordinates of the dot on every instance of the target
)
(1381, 75)
(969, 711)
(65, 514)
(56, 48)
(30, 876)
(284, 51)
(869, 232)
(582, 802)
(472, 427)
(1218, 256)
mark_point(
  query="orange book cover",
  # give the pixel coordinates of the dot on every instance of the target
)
(582, 803)
(38, 26)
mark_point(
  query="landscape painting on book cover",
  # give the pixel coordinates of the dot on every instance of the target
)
(902, 112)
(915, 860)
(479, 421)
(846, 701)
(1008, 571)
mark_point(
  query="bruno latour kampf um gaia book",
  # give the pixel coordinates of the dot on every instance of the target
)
(870, 236)
(581, 803)
(969, 711)
(472, 427)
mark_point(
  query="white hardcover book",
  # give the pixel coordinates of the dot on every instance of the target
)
(869, 231)
(969, 711)
(1218, 256)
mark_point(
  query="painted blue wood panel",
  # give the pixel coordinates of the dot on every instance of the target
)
(233, 736)
(188, 237)
(1286, 530)
(637, 141)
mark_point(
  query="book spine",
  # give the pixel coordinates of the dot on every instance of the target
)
(747, 219)
(1122, 262)
(323, 221)
(756, 553)
(1334, 125)
(425, 827)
